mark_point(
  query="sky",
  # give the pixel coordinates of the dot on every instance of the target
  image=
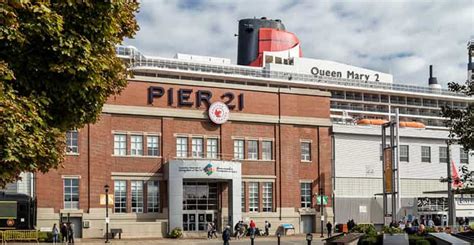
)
(398, 37)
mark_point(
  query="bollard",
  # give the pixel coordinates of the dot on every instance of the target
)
(278, 236)
(252, 237)
(309, 238)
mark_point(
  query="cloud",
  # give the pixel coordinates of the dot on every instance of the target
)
(400, 37)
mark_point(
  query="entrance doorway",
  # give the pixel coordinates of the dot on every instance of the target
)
(307, 223)
(200, 201)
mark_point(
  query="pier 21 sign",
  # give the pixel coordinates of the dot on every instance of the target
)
(183, 97)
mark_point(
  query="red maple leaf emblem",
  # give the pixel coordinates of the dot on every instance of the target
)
(218, 113)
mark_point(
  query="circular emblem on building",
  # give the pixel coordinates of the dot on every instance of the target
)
(10, 222)
(218, 112)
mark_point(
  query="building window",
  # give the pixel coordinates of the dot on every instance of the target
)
(120, 144)
(464, 156)
(404, 155)
(267, 197)
(243, 196)
(71, 142)
(305, 151)
(306, 195)
(137, 196)
(120, 196)
(443, 154)
(196, 147)
(136, 145)
(212, 148)
(239, 149)
(153, 145)
(253, 196)
(252, 149)
(181, 147)
(153, 197)
(267, 151)
(426, 154)
(71, 193)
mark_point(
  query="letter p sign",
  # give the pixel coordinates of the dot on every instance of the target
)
(154, 92)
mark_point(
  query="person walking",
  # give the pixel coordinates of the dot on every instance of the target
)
(63, 231)
(209, 230)
(252, 227)
(214, 230)
(226, 235)
(329, 227)
(55, 232)
(267, 228)
(70, 233)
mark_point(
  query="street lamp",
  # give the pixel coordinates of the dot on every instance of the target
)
(309, 238)
(106, 188)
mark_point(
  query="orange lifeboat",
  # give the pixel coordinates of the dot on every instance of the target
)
(412, 125)
(371, 121)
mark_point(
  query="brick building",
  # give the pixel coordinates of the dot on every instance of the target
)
(169, 166)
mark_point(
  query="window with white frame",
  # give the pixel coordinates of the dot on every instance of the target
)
(253, 196)
(404, 154)
(243, 196)
(71, 193)
(153, 145)
(267, 151)
(306, 196)
(425, 154)
(120, 144)
(136, 145)
(239, 149)
(267, 197)
(212, 148)
(305, 151)
(252, 149)
(443, 154)
(181, 147)
(153, 196)
(463, 156)
(196, 147)
(137, 196)
(120, 196)
(71, 142)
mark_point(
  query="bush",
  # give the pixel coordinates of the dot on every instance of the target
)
(391, 230)
(422, 242)
(368, 229)
(176, 233)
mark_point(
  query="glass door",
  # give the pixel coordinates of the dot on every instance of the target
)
(189, 222)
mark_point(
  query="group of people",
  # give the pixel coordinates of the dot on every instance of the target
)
(242, 229)
(211, 230)
(67, 233)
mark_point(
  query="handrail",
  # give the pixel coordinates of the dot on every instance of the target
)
(139, 61)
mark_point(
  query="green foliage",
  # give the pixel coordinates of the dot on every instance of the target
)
(422, 242)
(461, 121)
(176, 233)
(368, 229)
(57, 69)
(391, 230)
(371, 240)
(430, 229)
(413, 240)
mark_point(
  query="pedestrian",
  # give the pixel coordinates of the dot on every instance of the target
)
(214, 229)
(243, 229)
(63, 231)
(430, 223)
(329, 227)
(55, 231)
(209, 230)
(267, 228)
(226, 235)
(466, 221)
(70, 232)
(252, 227)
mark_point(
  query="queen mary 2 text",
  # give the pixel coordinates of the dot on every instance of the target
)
(347, 74)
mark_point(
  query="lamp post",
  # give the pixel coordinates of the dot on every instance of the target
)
(278, 236)
(106, 188)
(309, 238)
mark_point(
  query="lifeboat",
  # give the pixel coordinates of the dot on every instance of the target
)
(371, 122)
(412, 125)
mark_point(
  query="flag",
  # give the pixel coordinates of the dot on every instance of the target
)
(455, 176)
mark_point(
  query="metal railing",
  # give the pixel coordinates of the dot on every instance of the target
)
(139, 61)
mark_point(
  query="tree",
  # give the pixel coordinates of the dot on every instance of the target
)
(461, 121)
(57, 69)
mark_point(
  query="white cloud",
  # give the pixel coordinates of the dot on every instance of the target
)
(401, 37)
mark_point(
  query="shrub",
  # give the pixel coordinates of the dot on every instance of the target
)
(422, 242)
(176, 233)
(391, 230)
(368, 229)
